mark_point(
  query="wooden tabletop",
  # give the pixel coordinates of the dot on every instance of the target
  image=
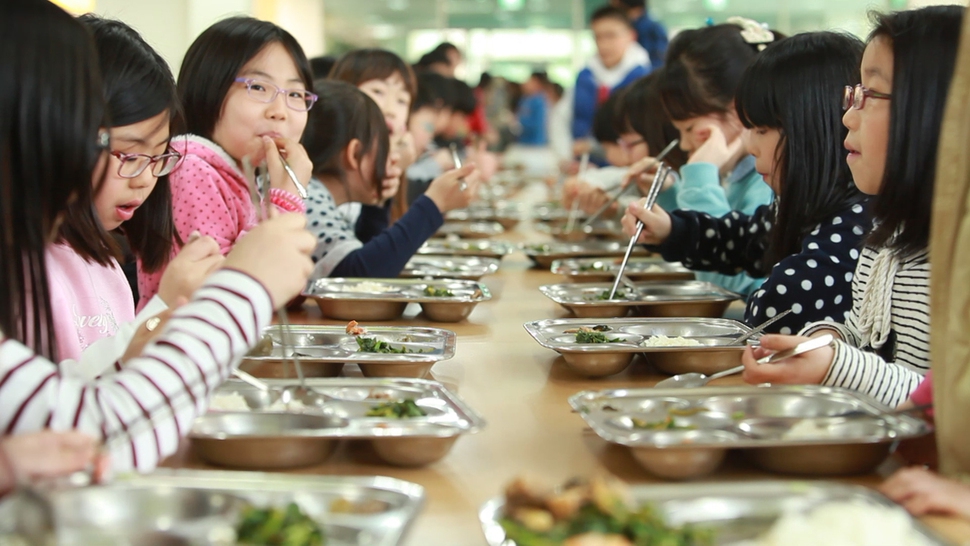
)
(521, 389)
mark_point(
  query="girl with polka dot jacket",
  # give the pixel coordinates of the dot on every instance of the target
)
(348, 141)
(894, 118)
(808, 240)
(246, 88)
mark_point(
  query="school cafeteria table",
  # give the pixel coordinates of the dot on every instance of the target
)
(520, 388)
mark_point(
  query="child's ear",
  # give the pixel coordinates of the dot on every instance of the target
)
(351, 152)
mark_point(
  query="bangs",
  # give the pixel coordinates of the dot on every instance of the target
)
(757, 101)
(682, 94)
(363, 65)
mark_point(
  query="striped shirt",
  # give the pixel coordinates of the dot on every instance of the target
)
(891, 373)
(152, 402)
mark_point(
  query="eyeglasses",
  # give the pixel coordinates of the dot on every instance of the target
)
(628, 145)
(296, 99)
(855, 96)
(133, 165)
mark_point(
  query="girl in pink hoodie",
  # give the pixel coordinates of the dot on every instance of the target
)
(246, 88)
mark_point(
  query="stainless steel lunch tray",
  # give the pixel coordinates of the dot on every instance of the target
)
(650, 299)
(263, 439)
(758, 420)
(603, 359)
(323, 351)
(599, 230)
(480, 248)
(338, 299)
(469, 268)
(543, 254)
(553, 211)
(176, 507)
(735, 512)
(604, 269)
(507, 215)
(470, 230)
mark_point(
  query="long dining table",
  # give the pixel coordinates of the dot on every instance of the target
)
(521, 390)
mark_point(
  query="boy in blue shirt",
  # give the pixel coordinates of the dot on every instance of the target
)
(533, 111)
(651, 35)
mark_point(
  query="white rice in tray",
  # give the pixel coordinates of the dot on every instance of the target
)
(368, 286)
(807, 429)
(844, 523)
(234, 401)
(664, 341)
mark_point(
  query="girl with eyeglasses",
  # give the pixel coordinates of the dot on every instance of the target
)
(246, 89)
(53, 145)
(808, 240)
(893, 119)
(94, 320)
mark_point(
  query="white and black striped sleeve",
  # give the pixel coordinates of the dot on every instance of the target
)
(887, 382)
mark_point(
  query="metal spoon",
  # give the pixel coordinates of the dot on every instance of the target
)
(462, 185)
(574, 209)
(308, 397)
(760, 328)
(694, 380)
(801, 348)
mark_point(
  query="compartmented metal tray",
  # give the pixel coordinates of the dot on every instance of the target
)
(506, 214)
(735, 512)
(553, 211)
(470, 230)
(599, 359)
(469, 268)
(482, 249)
(182, 507)
(323, 351)
(543, 254)
(685, 433)
(604, 269)
(386, 299)
(649, 299)
(264, 439)
(599, 230)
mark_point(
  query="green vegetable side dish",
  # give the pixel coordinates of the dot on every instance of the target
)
(540, 248)
(642, 527)
(404, 409)
(372, 345)
(584, 336)
(594, 267)
(666, 424)
(433, 292)
(605, 296)
(278, 527)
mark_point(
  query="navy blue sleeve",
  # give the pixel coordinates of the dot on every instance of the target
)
(732, 244)
(372, 221)
(584, 105)
(386, 255)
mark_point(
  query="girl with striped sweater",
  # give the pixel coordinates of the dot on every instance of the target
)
(894, 120)
(53, 143)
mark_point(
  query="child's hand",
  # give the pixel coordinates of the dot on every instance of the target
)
(642, 173)
(716, 149)
(392, 179)
(296, 158)
(446, 191)
(198, 259)
(805, 369)
(277, 254)
(656, 223)
(47, 454)
(149, 330)
(486, 161)
(923, 492)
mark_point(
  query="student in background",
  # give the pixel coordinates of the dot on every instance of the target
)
(618, 62)
(533, 111)
(426, 111)
(322, 65)
(443, 59)
(651, 34)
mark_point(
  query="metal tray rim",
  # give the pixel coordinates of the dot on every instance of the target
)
(551, 291)
(534, 327)
(448, 349)
(486, 295)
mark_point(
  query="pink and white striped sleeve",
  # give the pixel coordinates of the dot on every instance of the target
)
(157, 396)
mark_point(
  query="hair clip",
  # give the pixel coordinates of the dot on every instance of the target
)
(104, 140)
(753, 32)
(710, 21)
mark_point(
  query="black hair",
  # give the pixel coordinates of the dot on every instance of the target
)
(362, 65)
(50, 93)
(604, 129)
(633, 4)
(438, 55)
(214, 60)
(465, 101)
(484, 81)
(924, 43)
(609, 12)
(138, 85)
(794, 87)
(344, 113)
(433, 89)
(321, 66)
(641, 111)
(703, 69)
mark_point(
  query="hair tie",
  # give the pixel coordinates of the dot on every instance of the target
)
(753, 32)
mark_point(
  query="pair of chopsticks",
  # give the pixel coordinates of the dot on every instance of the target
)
(655, 187)
(574, 209)
(622, 190)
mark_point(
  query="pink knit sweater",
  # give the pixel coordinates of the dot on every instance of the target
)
(209, 195)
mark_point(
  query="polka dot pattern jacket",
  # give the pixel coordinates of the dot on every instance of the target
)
(816, 283)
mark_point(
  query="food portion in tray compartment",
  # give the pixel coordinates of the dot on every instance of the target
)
(368, 287)
(401, 409)
(233, 401)
(374, 345)
(600, 511)
(843, 523)
(665, 341)
(589, 335)
(274, 526)
(433, 292)
(668, 423)
(605, 296)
